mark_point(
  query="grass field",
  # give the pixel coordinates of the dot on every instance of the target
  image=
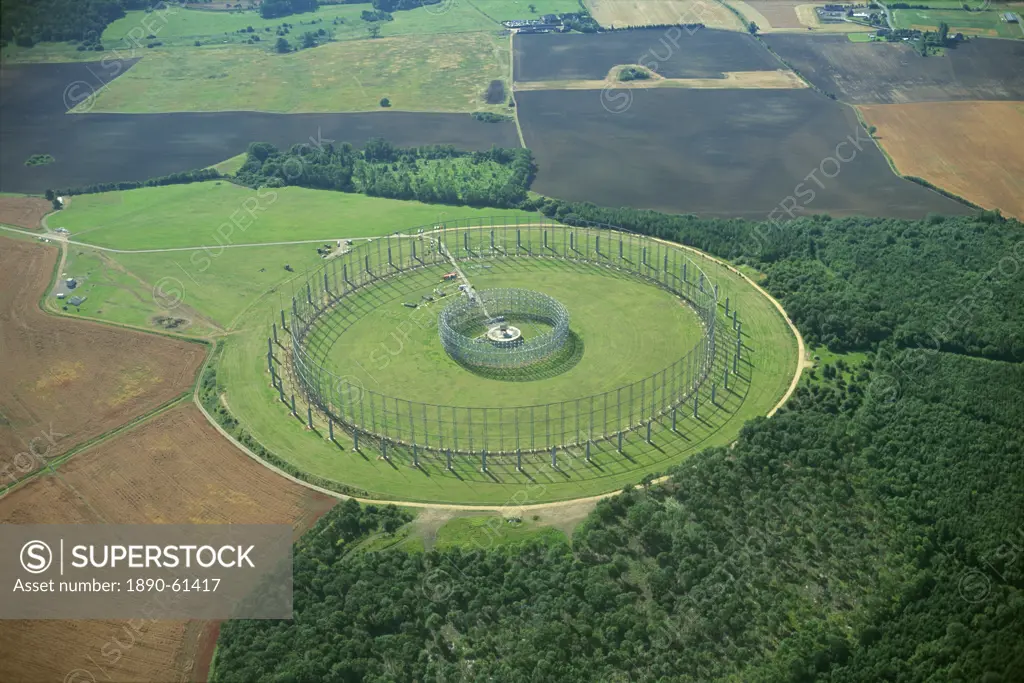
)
(207, 289)
(179, 28)
(984, 23)
(182, 27)
(628, 330)
(958, 146)
(417, 73)
(226, 300)
(217, 213)
(231, 166)
(486, 532)
(771, 354)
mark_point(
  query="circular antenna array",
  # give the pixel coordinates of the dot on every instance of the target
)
(484, 328)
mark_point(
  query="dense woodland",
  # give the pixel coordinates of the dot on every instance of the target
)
(27, 22)
(436, 174)
(859, 535)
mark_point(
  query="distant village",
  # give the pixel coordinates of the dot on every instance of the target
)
(548, 23)
(873, 15)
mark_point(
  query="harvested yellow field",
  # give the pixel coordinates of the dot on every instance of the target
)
(768, 80)
(968, 148)
(623, 13)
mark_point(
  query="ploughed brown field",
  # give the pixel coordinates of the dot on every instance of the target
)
(68, 381)
(24, 212)
(963, 147)
(174, 468)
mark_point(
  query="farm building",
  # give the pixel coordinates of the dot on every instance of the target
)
(1011, 18)
(76, 300)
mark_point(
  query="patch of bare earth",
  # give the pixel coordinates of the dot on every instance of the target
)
(175, 468)
(767, 80)
(24, 212)
(68, 381)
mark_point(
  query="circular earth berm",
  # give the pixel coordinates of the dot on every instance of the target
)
(503, 327)
(478, 329)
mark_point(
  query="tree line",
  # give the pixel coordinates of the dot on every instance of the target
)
(26, 22)
(183, 178)
(437, 174)
(271, 9)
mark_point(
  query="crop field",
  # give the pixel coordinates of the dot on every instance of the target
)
(73, 380)
(893, 73)
(204, 214)
(703, 53)
(203, 478)
(30, 92)
(649, 155)
(242, 371)
(416, 73)
(959, 146)
(23, 212)
(983, 23)
(790, 16)
(159, 144)
(781, 78)
(625, 13)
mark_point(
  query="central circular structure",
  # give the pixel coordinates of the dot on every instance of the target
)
(477, 328)
(504, 334)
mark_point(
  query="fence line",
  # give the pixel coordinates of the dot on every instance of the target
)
(499, 430)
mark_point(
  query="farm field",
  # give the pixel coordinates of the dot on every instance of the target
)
(203, 214)
(625, 13)
(24, 212)
(73, 380)
(180, 28)
(241, 371)
(703, 53)
(984, 23)
(203, 478)
(415, 73)
(959, 146)
(893, 73)
(790, 16)
(160, 144)
(782, 79)
(634, 157)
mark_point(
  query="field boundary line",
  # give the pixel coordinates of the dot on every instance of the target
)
(52, 465)
(512, 86)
